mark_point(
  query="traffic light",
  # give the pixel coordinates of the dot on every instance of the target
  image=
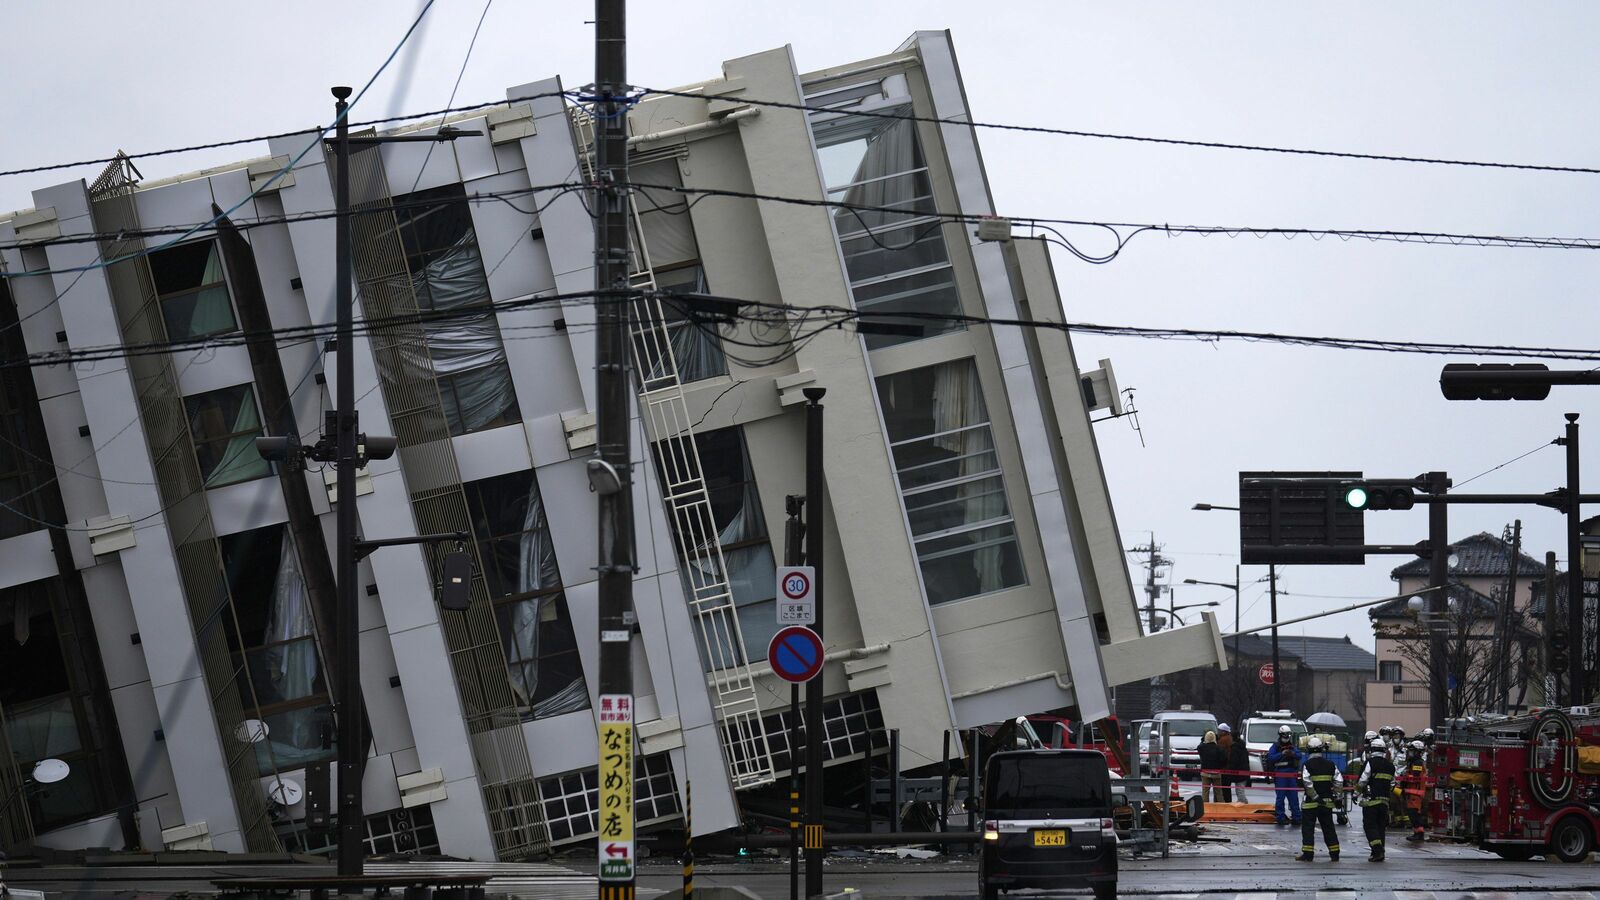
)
(1366, 495)
(1558, 652)
(1497, 381)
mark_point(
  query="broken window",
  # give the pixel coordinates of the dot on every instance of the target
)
(523, 579)
(224, 424)
(696, 346)
(739, 528)
(192, 289)
(45, 707)
(272, 636)
(895, 255)
(950, 481)
(466, 353)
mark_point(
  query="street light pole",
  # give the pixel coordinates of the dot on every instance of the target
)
(1578, 678)
(352, 755)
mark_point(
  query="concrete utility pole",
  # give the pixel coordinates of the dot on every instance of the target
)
(1438, 601)
(1277, 669)
(610, 472)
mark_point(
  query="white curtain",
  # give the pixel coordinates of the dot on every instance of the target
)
(292, 667)
(537, 570)
(468, 349)
(205, 311)
(958, 404)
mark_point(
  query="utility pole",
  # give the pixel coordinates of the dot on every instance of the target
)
(352, 745)
(1438, 602)
(609, 471)
(1577, 676)
(815, 741)
(794, 555)
(1501, 658)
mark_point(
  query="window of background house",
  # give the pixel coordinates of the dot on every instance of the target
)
(192, 289)
(45, 711)
(1389, 670)
(272, 637)
(896, 258)
(467, 355)
(224, 425)
(739, 528)
(520, 571)
(950, 481)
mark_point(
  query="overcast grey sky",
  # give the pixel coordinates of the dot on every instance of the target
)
(1493, 81)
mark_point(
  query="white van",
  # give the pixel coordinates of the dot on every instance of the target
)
(1260, 731)
(1187, 727)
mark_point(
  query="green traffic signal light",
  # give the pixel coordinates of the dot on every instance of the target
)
(1356, 497)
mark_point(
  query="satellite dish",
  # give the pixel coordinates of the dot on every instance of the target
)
(50, 771)
(251, 731)
(285, 791)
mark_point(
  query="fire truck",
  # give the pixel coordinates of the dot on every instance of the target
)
(1519, 786)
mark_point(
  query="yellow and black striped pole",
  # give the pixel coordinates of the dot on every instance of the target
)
(688, 839)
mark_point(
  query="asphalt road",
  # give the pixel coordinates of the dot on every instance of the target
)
(1257, 862)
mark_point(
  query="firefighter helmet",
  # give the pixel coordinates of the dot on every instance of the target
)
(1370, 736)
(1417, 746)
(1315, 745)
(1385, 731)
(1378, 746)
(1284, 730)
(1426, 735)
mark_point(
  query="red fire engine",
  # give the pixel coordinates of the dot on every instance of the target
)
(1520, 786)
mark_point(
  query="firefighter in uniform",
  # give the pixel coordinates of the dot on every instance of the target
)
(1415, 783)
(1320, 778)
(1283, 761)
(1375, 788)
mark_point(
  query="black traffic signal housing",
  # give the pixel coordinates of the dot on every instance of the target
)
(1559, 660)
(1379, 494)
(1495, 381)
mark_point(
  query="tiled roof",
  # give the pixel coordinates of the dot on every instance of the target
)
(1258, 646)
(1480, 555)
(1398, 609)
(1327, 653)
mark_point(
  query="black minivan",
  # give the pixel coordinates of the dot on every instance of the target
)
(1047, 822)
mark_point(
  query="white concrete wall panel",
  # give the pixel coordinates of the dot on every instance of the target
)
(861, 490)
(247, 505)
(1065, 574)
(497, 451)
(26, 557)
(152, 577)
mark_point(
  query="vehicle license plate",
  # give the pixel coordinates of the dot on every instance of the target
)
(1056, 838)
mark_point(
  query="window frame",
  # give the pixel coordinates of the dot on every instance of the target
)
(1391, 666)
(197, 441)
(163, 299)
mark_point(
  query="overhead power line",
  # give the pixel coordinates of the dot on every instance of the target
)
(1143, 139)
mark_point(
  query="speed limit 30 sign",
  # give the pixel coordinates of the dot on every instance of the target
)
(797, 599)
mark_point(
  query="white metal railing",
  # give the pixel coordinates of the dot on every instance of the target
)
(688, 502)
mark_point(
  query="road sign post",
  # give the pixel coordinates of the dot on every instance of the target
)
(797, 599)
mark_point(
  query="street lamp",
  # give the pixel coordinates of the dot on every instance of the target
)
(1272, 589)
(343, 445)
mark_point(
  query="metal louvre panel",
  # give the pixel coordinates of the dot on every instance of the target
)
(427, 457)
(16, 823)
(182, 492)
(688, 504)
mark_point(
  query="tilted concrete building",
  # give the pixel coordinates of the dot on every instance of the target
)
(180, 585)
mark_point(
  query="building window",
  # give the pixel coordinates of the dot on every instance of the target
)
(518, 562)
(696, 346)
(466, 354)
(192, 289)
(739, 528)
(950, 481)
(224, 425)
(572, 801)
(45, 710)
(273, 641)
(1389, 670)
(896, 258)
